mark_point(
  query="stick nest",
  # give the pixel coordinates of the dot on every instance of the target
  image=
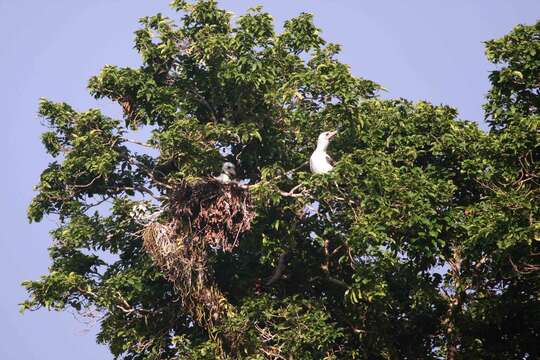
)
(206, 216)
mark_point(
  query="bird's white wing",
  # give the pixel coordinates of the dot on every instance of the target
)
(223, 178)
(329, 159)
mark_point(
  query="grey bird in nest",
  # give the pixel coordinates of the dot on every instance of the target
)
(228, 173)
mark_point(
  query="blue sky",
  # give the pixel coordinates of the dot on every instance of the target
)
(419, 50)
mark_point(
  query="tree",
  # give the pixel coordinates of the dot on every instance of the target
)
(426, 229)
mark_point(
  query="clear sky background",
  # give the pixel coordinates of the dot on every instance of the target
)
(420, 50)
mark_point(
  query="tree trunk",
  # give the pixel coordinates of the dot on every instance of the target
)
(455, 306)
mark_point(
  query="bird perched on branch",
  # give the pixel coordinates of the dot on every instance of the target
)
(320, 162)
(228, 173)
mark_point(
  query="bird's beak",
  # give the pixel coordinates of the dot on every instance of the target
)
(331, 134)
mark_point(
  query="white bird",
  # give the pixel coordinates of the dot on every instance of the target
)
(320, 162)
(228, 173)
(143, 213)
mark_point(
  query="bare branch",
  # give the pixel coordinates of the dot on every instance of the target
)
(140, 143)
(280, 269)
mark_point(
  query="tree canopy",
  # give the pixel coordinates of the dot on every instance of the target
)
(423, 242)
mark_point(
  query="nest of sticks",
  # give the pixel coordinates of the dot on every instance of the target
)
(207, 216)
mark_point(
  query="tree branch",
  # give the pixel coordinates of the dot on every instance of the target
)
(280, 269)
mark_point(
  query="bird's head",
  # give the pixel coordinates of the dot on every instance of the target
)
(324, 138)
(229, 169)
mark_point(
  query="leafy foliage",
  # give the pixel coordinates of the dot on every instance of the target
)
(516, 82)
(426, 229)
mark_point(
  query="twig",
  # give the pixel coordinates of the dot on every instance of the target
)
(140, 143)
(290, 172)
(86, 185)
(291, 193)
